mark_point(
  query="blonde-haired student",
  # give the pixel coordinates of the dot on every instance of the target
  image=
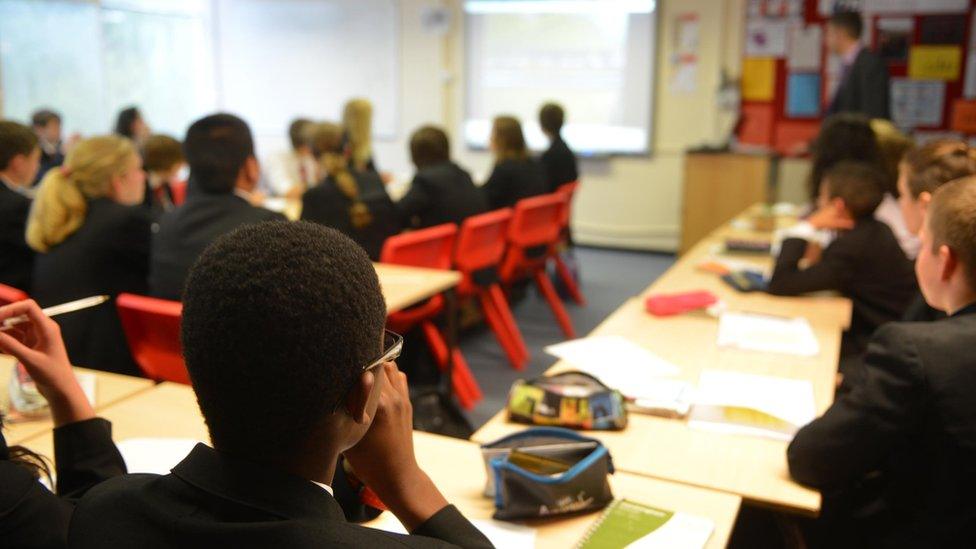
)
(351, 201)
(895, 456)
(92, 236)
(357, 120)
(516, 175)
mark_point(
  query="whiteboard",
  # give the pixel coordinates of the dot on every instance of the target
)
(281, 59)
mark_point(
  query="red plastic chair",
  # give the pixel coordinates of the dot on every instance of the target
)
(152, 328)
(533, 232)
(562, 271)
(9, 294)
(431, 248)
(480, 249)
(179, 192)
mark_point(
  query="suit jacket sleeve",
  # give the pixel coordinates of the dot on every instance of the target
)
(830, 273)
(84, 455)
(856, 433)
(414, 202)
(873, 84)
(449, 525)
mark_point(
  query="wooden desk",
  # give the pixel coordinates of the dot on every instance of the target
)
(457, 468)
(751, 467)
(405, 286)
(109, 389)
(170, 410)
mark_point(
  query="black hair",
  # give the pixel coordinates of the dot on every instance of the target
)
(125, 120)
(15, 139)
(551, 117)
(845, 136)
(429, 146)
(278, 320)
(37, 465)
(859, 184)
(849, 21)
(43, 117)
(298, 132)
(216, 148)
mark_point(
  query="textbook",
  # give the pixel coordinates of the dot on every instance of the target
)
(627, 523)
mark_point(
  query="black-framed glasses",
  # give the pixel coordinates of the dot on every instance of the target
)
(392, 347)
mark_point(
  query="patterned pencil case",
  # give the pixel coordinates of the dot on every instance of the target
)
(575, 400)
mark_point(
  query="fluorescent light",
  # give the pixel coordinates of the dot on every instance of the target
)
(559, 6)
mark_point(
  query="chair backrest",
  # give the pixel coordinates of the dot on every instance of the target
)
(179, 192)
(536, 220)
(431, 248)
(482, 240)
(9, 294)
(152, 328)
(569, 190)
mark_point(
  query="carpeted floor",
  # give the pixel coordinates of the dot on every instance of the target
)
(609, 278)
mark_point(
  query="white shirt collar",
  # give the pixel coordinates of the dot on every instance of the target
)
(23, 191)
(241, 193)
(325, 487)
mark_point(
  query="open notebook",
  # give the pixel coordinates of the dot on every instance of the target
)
(630, 524)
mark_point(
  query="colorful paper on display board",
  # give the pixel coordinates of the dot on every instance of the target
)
(803, 95)
(766, 37)
(758, 78)
(964, 116)
(806, 44)
(894, 37)
(917, 103)
(935, 62)
(942, 29)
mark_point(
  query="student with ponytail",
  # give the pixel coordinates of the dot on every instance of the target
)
(91, 233)
(357, 121)
(516, 175)
(353, 202)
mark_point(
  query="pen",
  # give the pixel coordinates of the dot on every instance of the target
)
(61, 309)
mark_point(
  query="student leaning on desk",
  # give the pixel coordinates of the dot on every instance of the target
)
(283, 336)
(895, 456)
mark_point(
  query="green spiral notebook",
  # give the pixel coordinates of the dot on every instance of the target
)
(627, 523)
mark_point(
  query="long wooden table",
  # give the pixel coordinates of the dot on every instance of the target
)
(109, 389)
(751, 467)
(170, 410)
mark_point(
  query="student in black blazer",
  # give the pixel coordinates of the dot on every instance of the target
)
(895, 457)
(19, 162)
(864, 262)
(30, 514)
(162, 158)
(864, 86)
(223, 175)
(47, 127)
(353, 202)
(516, 175)
(441, 191)
(283, 335)
(92, 237)
(923, 170)
(559, 160)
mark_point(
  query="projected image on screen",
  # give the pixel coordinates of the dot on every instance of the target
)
(594, 57)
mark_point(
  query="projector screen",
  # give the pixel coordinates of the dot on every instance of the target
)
(594, 57)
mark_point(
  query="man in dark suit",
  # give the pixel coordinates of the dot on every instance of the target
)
(223, 175)
(864, 262)
(895, 457)
(441, 191)
(864, 78)
(47, 126)
(559, 160)
(283, 335)
(19, 162)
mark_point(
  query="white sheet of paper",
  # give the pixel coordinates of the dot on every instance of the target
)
(154, 455)
(806, 45)
(787, 399)
(87, 381)
(500, 534)
(616, 360)
(766, 38)
(917, 102)
(680, 531)
(767, 334)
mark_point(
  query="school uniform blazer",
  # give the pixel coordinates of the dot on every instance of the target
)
(107, 255)
(212, 499)
(864, 88)
(904, 438)
(30, 515)
(560, 164)
(514, 179)
(443, 193)
(865, 264)
(186, 231)
(326, 205)
(16, 257)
